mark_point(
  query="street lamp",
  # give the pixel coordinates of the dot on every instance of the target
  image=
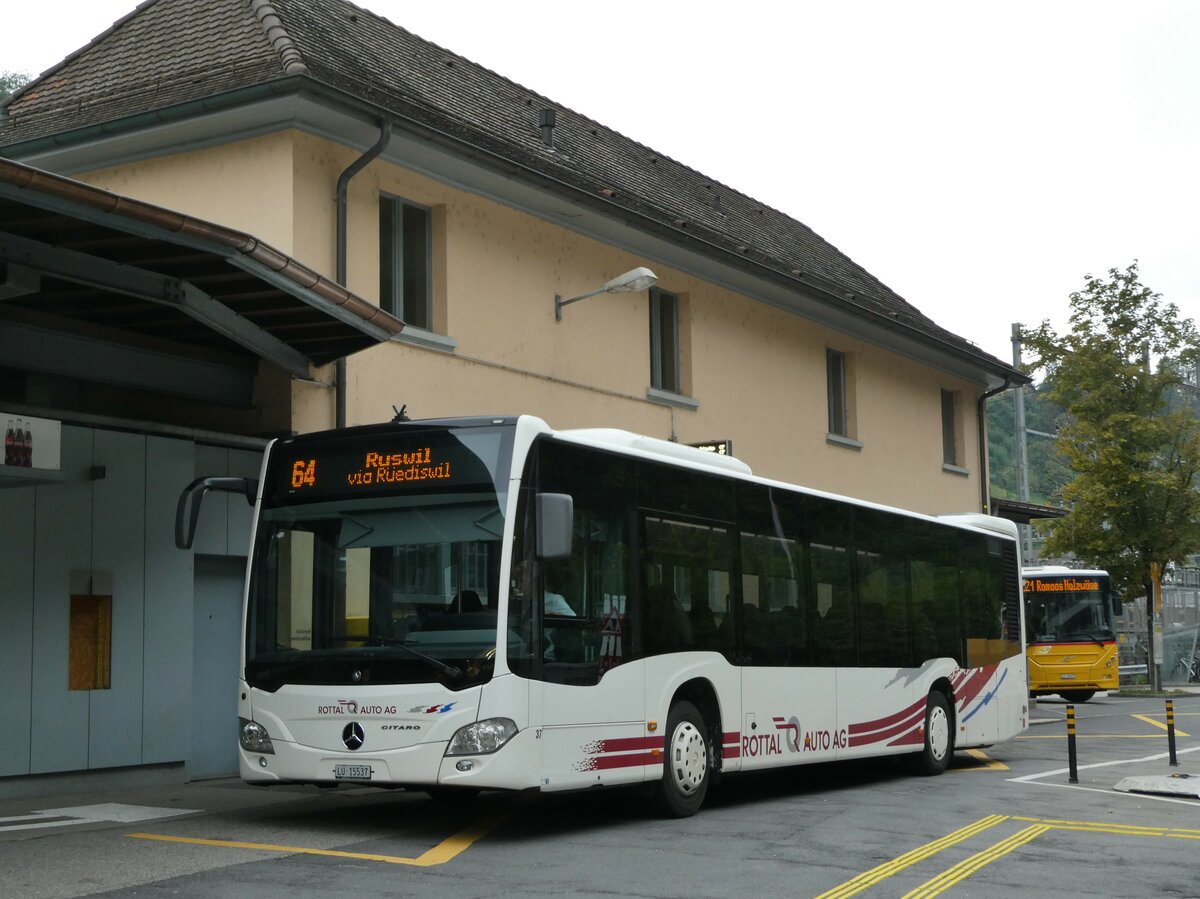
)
(632, 281)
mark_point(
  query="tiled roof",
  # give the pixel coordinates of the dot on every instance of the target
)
(163, 53)
(168, 52)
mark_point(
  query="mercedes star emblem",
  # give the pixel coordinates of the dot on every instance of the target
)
(352, 735)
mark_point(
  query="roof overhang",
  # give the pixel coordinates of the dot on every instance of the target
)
(1024, 513)
(102, 273)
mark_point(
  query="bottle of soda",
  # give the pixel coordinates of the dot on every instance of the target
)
(10, 444)
(27, 449)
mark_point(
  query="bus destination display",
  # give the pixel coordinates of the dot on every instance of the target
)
(328, 469)
(1060, 585)
(377, 468)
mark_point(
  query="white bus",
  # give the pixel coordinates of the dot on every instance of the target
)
(472, 604)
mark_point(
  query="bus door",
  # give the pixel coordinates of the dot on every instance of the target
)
(685, 623)
(585, 696)
(789, 703)
(880, 690)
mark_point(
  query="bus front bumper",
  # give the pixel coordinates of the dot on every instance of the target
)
(513, 767)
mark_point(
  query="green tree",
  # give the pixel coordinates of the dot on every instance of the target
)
(10, 83)
(1130, 432)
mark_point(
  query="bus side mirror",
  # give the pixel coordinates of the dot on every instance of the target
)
(187, 512)
(555, 531)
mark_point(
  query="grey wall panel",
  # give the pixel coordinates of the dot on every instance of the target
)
(118, 549)
(242, 464)
(212, 530)
(63, 531)
(218, 628)
(167, 685)
(17, 507)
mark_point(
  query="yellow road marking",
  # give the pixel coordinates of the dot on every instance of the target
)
(438, 855)
(969, 866)
(989, 764)
(1134, 830)
(1161, 724)
(869, 878)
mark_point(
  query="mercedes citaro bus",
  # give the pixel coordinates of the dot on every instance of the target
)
(488, 603)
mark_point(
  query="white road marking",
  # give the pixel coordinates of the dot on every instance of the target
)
(111, 812)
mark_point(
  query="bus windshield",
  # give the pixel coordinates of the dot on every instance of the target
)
(378, 562)
(1068, 609)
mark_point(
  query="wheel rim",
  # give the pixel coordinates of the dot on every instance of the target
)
(689, 758)
(939, 732)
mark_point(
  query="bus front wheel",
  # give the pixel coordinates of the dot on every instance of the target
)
(939, 736)
(686, 763)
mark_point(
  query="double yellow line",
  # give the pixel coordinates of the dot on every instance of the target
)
(968, 866)
(908, 859)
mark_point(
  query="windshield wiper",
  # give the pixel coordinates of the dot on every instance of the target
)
(438, 664)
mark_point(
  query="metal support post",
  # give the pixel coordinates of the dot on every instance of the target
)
(1020, 446)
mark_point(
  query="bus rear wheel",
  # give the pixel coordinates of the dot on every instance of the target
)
(1077, 695)
(686, 763)
(934, 757)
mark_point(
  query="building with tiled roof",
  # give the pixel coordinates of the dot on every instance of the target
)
(465, 204)
(224, 55)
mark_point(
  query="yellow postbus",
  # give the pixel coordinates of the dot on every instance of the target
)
(1071, 640)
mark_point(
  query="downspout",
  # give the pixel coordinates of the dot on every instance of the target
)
(985, 489)
(343, 184)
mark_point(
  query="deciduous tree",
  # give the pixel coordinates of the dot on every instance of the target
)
(10, 83)
(1124, 374)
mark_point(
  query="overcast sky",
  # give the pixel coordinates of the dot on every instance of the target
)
(978, 159)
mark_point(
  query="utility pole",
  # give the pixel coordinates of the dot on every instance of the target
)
(1021, 447)
(1153, 606)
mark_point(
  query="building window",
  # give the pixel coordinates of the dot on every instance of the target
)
(405, 261)
(950, 441)
(836, 383)
(664, 341)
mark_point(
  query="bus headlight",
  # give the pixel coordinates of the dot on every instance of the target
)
(482, 737)
(254, 737)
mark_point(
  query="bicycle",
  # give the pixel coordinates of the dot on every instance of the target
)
(1190, 667)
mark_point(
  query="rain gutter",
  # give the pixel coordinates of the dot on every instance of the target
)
(343, 184)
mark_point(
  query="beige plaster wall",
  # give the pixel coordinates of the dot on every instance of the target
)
(757, 373)
(245, 185)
